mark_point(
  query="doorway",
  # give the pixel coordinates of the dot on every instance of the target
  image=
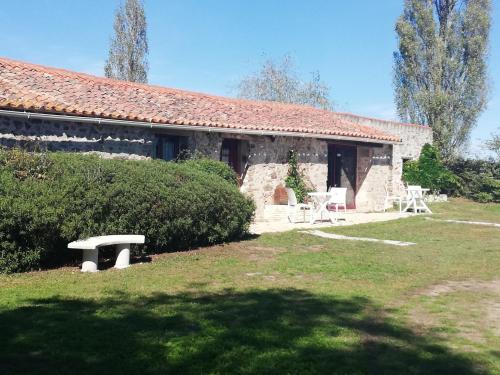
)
(342, 163)
(230, 154)
(234, 152)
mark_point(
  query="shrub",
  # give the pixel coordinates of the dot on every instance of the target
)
(429, 171)
(175, 205)
(294, 179)
(480, 179)
(214, 167)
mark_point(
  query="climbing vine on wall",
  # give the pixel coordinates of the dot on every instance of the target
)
(294, 179)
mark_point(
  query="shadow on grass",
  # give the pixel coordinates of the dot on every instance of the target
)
(273, 331)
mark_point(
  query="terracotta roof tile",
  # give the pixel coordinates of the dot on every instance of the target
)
(25, 86)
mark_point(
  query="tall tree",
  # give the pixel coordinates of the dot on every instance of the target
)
(493, 144)
(127, 59)
(279, 82)
(440, 71)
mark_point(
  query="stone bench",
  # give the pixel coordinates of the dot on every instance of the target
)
(90, 247)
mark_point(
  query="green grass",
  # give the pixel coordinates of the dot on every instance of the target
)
(281, 303)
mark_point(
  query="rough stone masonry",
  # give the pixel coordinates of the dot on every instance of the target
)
(266, 161)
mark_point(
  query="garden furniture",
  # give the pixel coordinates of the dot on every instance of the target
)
(415, 199)
(392, 198)
(320, 205)
(90, 247)
(338, 198)
(294, 207)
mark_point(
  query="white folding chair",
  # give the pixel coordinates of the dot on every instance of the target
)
(294, 207)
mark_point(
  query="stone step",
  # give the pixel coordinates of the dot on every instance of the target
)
(275, 213)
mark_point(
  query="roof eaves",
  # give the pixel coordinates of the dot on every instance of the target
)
(186, 125)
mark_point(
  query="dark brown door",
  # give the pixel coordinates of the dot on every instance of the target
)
(230, 154)
(342, 162)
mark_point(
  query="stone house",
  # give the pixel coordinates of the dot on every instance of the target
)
(64, 110)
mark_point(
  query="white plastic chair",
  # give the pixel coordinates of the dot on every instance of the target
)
(338, 197)
(391, 198)
(294, 207)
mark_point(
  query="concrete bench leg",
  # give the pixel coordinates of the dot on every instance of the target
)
(90, 258)
(122, 256)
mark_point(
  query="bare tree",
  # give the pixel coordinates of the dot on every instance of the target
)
(127, 59)
(279, 82)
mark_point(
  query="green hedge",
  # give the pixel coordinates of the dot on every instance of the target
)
(474, 179)
(429, 172)
(212, 166)
(48, 200)
(480, 179)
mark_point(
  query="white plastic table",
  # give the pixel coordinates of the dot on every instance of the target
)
(415, 200)
(320, 205)
(90, 247)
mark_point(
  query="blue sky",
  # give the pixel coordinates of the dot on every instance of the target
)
(208, 45)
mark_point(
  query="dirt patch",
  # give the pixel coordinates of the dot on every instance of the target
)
(493, 316)
(463, 286)
(421, 318)
(215, 250)
(239, 249)
(260, 253)
(312, 249)
(469, 309)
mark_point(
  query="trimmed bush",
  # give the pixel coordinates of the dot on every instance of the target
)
(429, 172)
(48, 200)
(214, 167)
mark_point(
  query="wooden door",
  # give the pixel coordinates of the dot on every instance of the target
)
(230, 154)
(342, 163)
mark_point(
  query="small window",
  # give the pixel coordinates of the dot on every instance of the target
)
(169, 147)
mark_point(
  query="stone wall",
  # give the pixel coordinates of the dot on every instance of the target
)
(413, 138)
(374, 168)
(266, 166)
(107, 140)
(208, 144)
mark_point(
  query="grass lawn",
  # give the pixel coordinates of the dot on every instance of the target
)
(280, 303)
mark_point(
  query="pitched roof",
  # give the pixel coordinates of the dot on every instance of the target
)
(36, 88)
